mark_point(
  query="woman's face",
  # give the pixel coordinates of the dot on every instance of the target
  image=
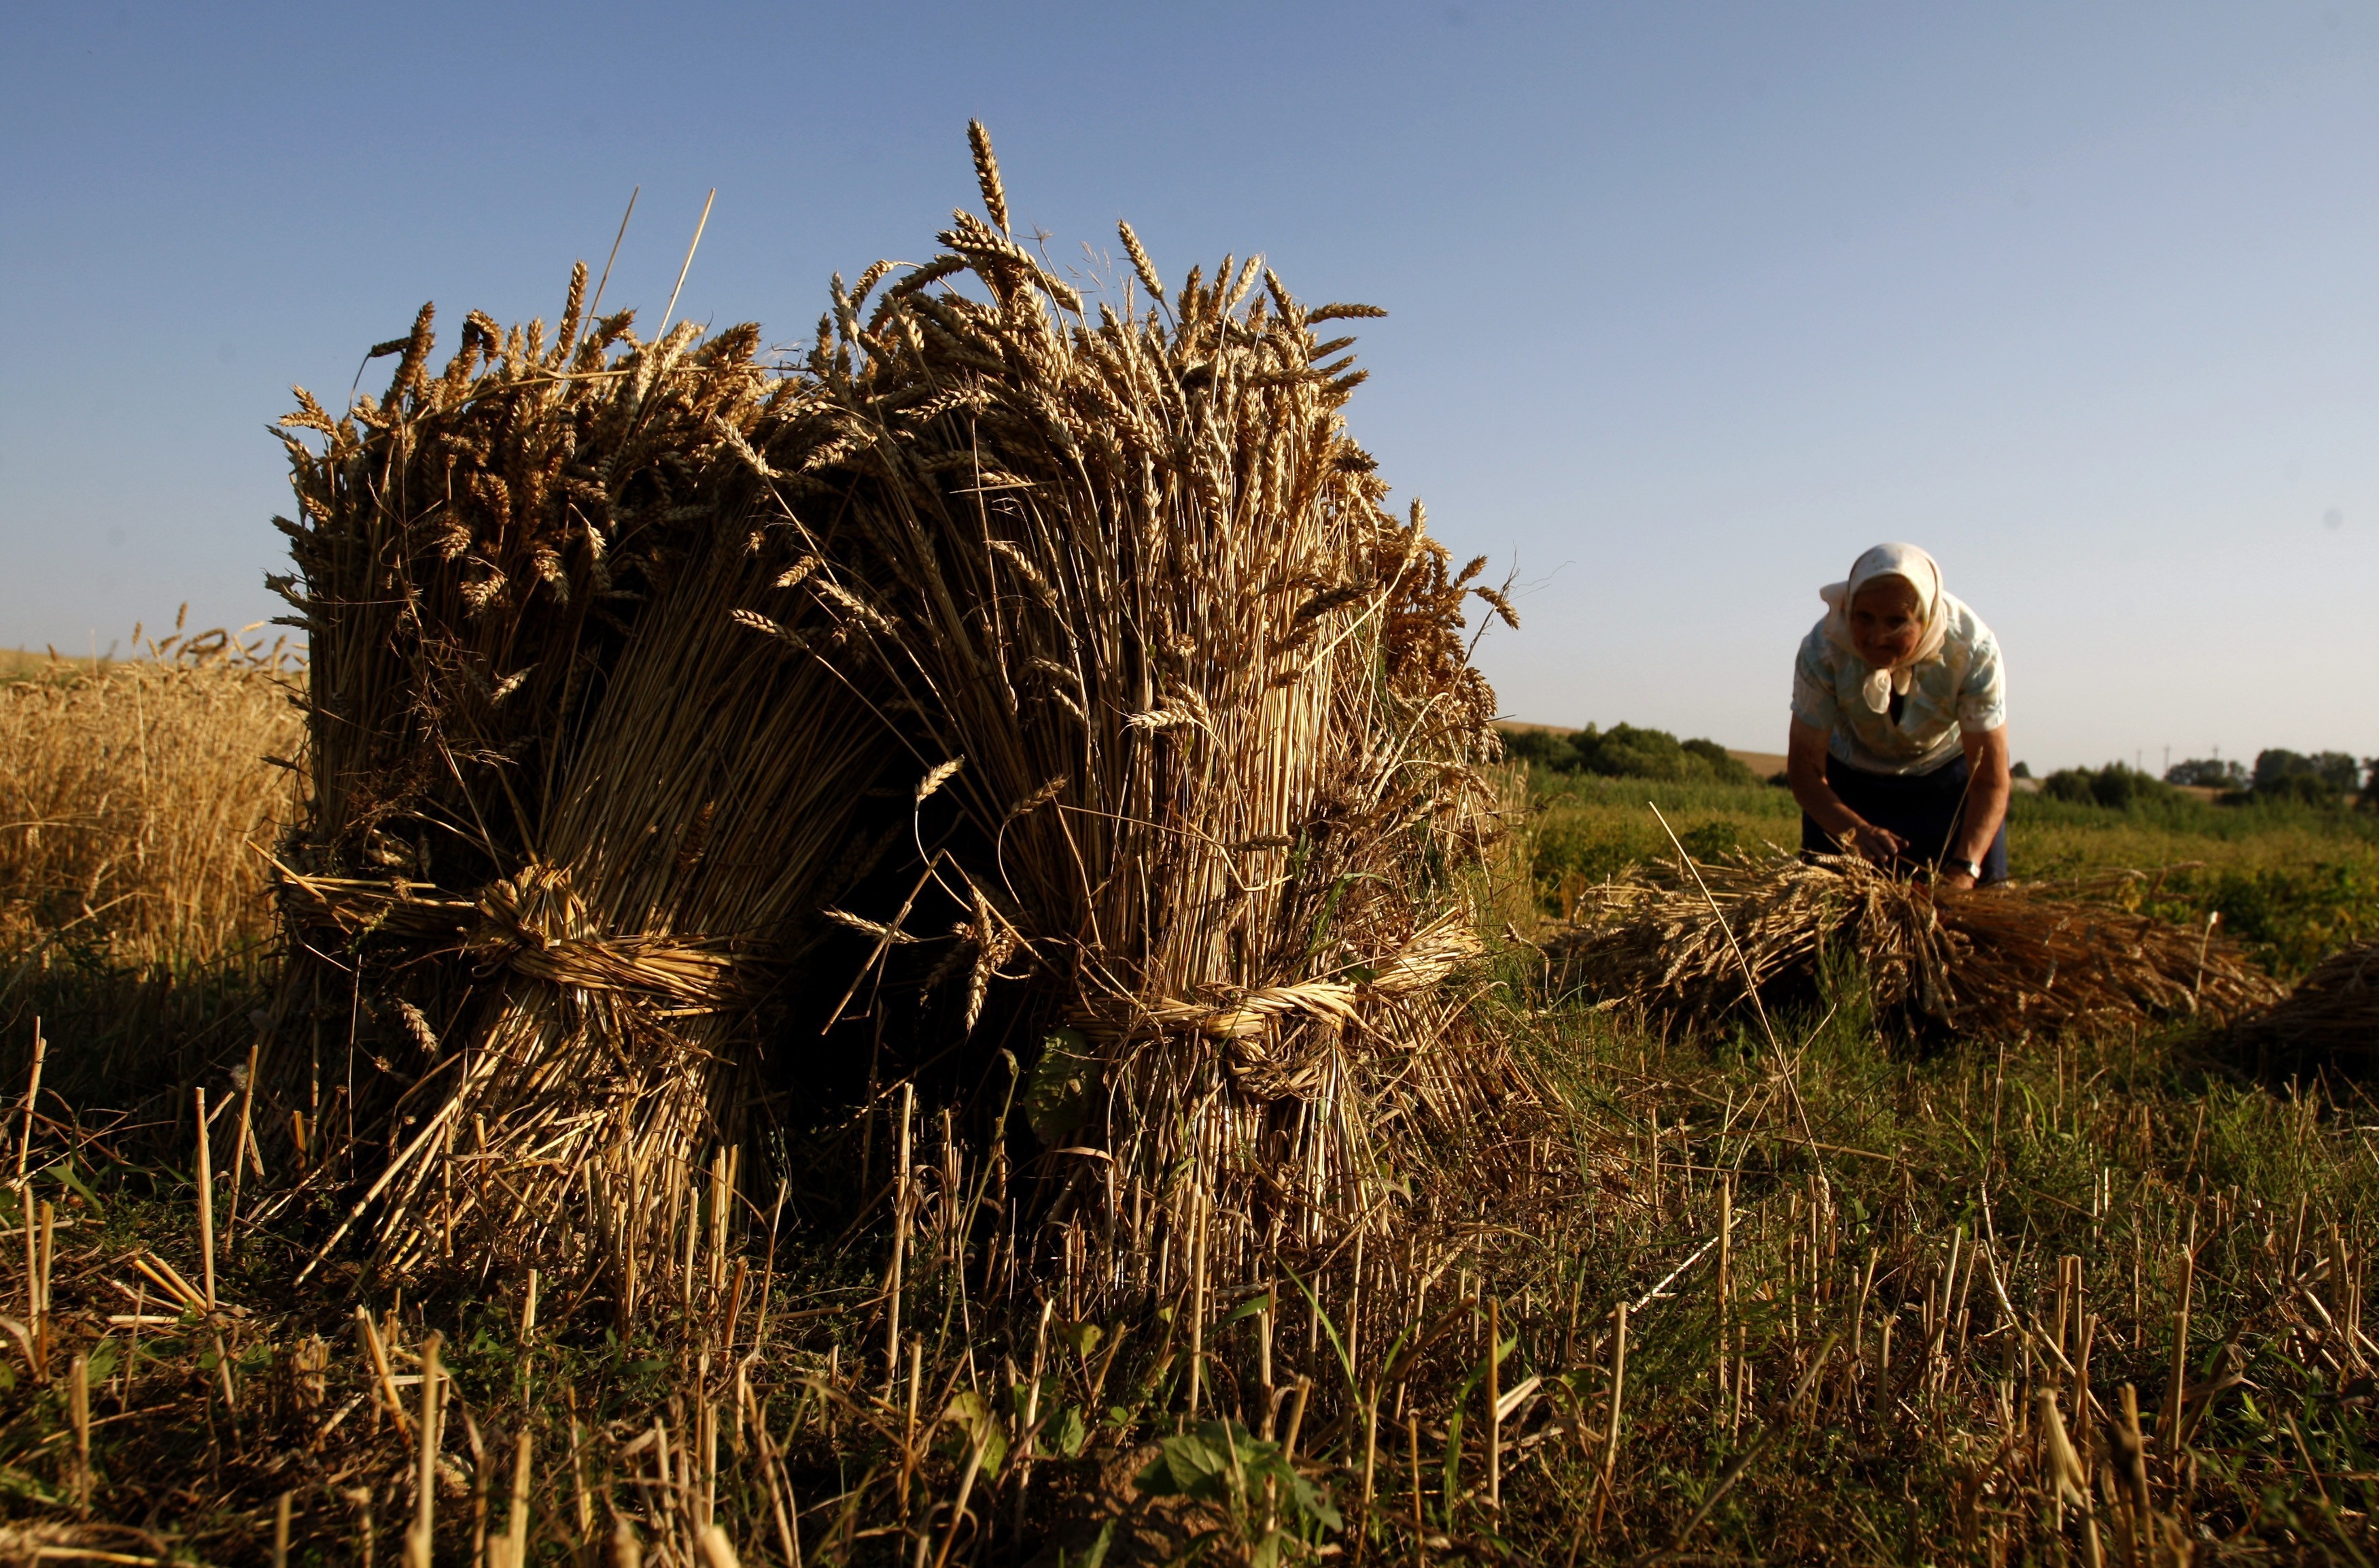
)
(1886, 621)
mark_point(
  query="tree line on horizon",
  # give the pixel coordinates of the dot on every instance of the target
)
(2322, 778)
(1626, 751)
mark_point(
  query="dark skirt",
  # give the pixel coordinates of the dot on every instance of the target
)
(1923, 808)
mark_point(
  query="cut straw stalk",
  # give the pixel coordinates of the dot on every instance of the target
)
(1618, 1403)
(32, 1097)
(78, 1414)
(893, 1287)
(1420, 1517)
(34, 1325)
(206, 1196)
(1494, 1405)
(419, 1537)
(241, 1150)
(692, 245)
(376, 1351)
(511, 1550)
(2176, 1397)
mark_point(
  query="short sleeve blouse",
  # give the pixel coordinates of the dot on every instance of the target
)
(1963, 688)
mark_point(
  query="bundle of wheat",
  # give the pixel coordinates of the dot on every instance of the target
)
(1692, 941)
(609, 646)
(2330, 1019)
(568, 820)
(1193, 724)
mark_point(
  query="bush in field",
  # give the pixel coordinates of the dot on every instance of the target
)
(2320, 779)
(2115, 785)
(2309, 789)
(2208, 773)
(1547, 749)
(1624, 751)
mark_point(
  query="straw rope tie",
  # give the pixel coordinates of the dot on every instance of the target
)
(1247, 1023)
(533, 923)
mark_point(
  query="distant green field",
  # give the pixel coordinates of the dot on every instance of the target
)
(2294, 882)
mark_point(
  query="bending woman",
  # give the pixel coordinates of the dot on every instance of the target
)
(1899, 748)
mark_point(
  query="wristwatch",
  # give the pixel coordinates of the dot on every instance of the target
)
(1965, 868)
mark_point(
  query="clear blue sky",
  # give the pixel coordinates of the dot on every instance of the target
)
(1690, 302)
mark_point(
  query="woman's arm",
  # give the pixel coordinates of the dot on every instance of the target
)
(1804, 769)
(1988, 786)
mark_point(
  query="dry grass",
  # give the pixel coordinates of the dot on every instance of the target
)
(2329, 1021)
(27, 664)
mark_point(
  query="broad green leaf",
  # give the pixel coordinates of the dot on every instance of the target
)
(1065, 1079)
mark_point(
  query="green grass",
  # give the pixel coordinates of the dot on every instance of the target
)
(2114, 1151)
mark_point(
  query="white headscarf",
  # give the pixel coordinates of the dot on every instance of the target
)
(1920, 571)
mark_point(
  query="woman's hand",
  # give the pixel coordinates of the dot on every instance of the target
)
(1881, 845)
(1804, 769)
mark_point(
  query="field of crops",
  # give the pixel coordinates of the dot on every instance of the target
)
(920, 950)
(1847, 1299)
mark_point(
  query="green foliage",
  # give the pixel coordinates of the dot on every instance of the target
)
(2312, 788)
(1590, 830)
(2114, 786)
(1265, 1512)
(1058, 1100)
(2325, 779)
(1094, 1555)
(2324, 774)
(2208, 773)
(2291, 914)
(1623, 751)
(1544, 749)
(979, 1429)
